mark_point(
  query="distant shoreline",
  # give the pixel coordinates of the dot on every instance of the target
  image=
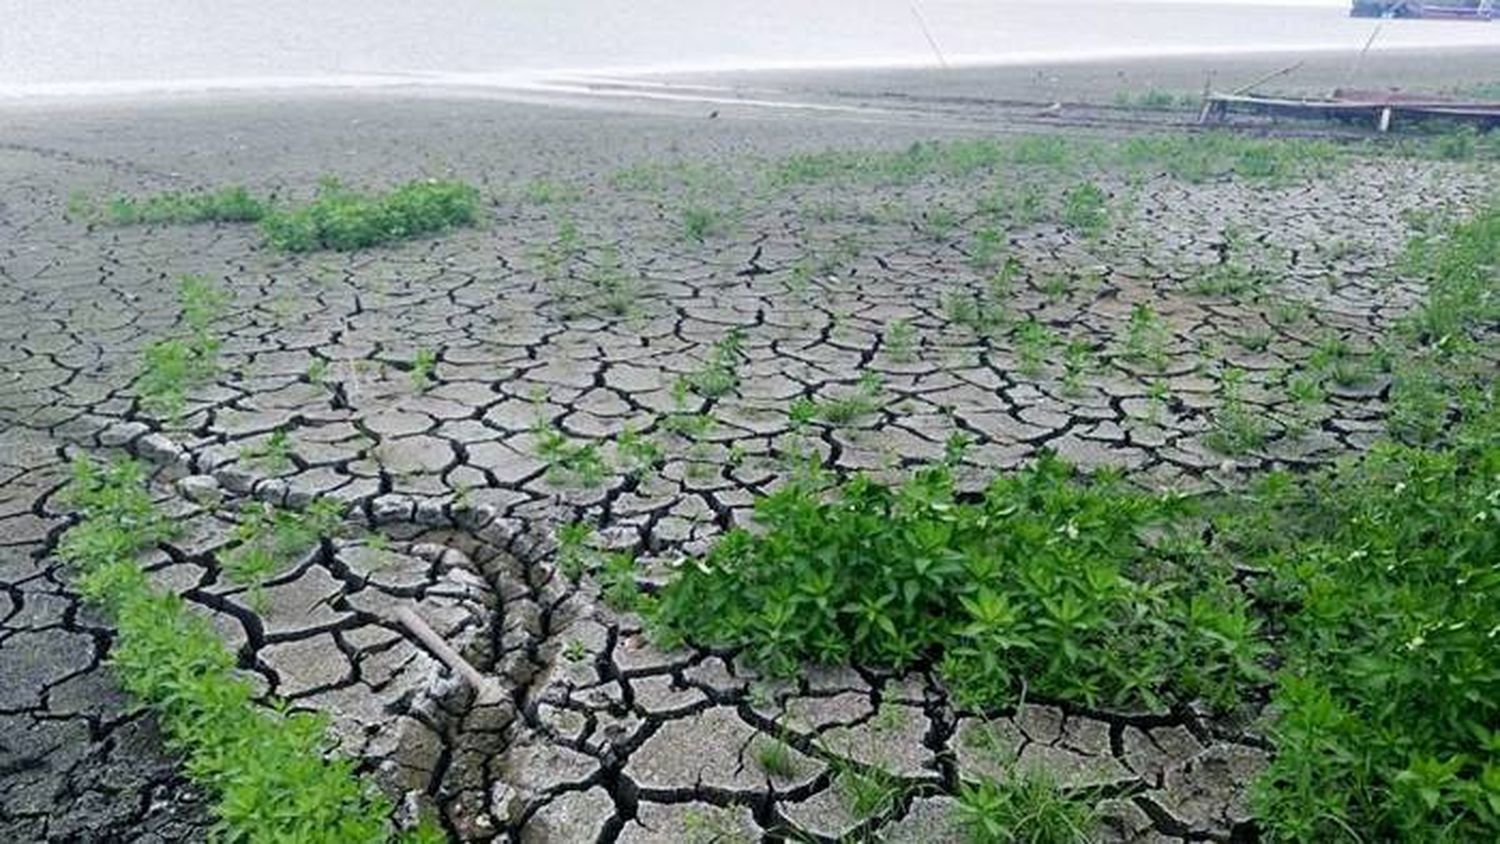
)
(1078, 77)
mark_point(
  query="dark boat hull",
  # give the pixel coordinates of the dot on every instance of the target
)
(1421, 11)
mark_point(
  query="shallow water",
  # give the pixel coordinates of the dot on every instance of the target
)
(88, 46)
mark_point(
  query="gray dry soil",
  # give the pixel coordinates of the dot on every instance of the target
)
(602, 736)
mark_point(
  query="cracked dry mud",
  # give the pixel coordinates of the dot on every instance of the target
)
(602, 736)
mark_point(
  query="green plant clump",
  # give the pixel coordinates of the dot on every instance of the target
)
(1026, 807)
(1386, 571)
(268, 769)
(342, 219)
(1046, 579)
(176, 365)
(225, 205)
(1389, 700)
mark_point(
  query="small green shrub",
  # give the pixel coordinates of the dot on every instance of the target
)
(267, 769)
(274, 454)
(423, 363)
(344, 220)
(867, 791)
(775, 758)
(176, 365)
(1086, 209)
(1146, 337)
(1044, 579)
(1026, 807)
(720, 374)
(225, 205)
(569, 462)
(1389, 700)
(700, 222)
(271, 538)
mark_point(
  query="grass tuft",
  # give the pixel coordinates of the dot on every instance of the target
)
(343, 220)
(267, 768)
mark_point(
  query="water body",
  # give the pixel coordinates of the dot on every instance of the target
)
(91, 47)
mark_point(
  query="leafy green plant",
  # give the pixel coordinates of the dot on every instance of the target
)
(570, 462)
(1078, 362)
(775, 758)
(637, 454)
(317, 370)
(700, 222)
(1086, 209)
(1391, 690)
(1382, 571)
(224, 205)
(176, 365)
(867, 791)
(617, 576)
(1231, 279)
(847, 408)
(270, 538)
(342, 219)
(550, 192)
(1033, 342)
(423, 363)
(266, 768)
(899, 341)
(274, 454)
(983, 315)
(720, 374)
(1026, 807)
(1307, 396)
(1146, 337)
(1037, 581)
(1334, 357)
(172, 368)
(937, 223)
(1237, 428)
(986, 248)
(574, 556)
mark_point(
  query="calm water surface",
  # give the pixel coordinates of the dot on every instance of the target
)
(93, 46)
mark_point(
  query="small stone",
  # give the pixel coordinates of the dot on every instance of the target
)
(571, 816)
(202, 489)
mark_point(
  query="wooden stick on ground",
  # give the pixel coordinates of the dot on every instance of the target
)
(487, 690)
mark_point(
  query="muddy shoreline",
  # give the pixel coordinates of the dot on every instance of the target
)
(606, 738)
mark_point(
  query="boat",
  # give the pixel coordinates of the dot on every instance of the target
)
(1467, 10)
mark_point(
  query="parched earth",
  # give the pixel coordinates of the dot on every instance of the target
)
(579, 310)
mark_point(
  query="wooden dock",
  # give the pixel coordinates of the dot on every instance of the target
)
(1382, 110)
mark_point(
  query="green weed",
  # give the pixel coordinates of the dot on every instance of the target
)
(899, 341)
(176, 365)
(569, 462)
(700, 222)
(776, 759)
(342, 219)
(423, 363)
(266, 768)
(847, 408)
(1026, 807)
(574, 555)
(270, 538)
(1035, 582)
(1145, 337)
(224, 205)
(1033, 342)
(720, 374)
(867, 791)
(1086, 209)
(273, 455)
(1237, 428)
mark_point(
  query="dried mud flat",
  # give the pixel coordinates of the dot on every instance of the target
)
(575, 309)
